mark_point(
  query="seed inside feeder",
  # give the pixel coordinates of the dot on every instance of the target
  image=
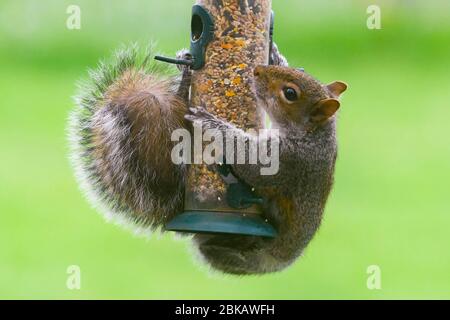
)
(224, 85)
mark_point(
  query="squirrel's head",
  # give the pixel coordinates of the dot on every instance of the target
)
(292, 97)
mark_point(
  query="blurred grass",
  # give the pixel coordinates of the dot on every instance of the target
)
(389, 206)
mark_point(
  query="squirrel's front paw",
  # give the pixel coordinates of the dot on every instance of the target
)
(200, 114)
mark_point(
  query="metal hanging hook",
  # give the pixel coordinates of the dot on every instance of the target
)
(184, 62)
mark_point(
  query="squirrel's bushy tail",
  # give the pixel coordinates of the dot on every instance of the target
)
(120, 134)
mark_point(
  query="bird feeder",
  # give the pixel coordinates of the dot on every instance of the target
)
(229, 38)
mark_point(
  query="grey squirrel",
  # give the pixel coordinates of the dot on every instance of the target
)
(121, 146)
(303, 111)
(120, 137)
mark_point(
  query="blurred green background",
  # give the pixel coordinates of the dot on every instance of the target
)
(389, 207)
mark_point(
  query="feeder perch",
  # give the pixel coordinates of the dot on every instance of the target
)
(229, 38)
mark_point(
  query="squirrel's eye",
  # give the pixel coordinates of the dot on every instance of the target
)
(290, 94)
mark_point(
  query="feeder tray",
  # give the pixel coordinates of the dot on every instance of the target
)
(221, 222)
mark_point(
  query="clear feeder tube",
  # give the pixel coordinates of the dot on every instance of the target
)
(224, 86)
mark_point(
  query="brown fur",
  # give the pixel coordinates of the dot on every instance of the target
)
(152, 111)
(121, 134)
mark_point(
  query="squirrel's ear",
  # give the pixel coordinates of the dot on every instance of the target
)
(337, 88)
(324, 109)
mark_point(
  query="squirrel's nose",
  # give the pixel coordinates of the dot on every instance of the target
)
(258, 70)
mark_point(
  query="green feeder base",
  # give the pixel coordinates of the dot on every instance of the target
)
(221, 222)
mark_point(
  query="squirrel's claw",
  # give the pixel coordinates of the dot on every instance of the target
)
(190, 117)
(193, 110)
(200, 114)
